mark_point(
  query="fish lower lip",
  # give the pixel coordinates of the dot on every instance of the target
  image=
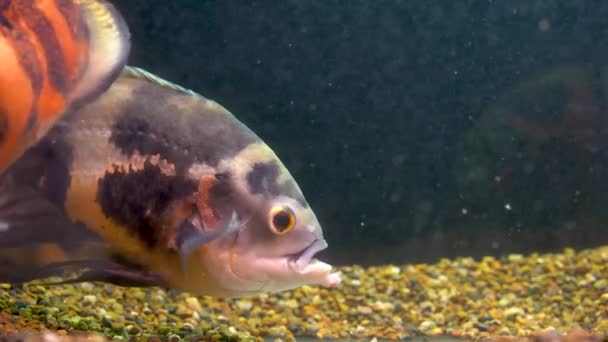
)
(311, 269)
(304, 257)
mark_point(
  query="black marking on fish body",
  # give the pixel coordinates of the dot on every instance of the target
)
(221, 194)
(4, 4)
(193, 132)
(135, 134)
(263, 179)
(46, 167)
(44, 31)
(4, 125)
(55, 177)
(28, 58)
(70, 12)
(56, 64)
(223, 187)
(137, 198)
(5, 22)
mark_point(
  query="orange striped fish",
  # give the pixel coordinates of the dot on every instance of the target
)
(55, 55)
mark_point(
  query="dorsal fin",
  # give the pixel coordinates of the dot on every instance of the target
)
(135, 72)
(110, 44)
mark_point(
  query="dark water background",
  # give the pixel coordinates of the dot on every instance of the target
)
(416, 129)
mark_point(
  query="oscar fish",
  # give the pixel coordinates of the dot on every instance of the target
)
(153, 184)
(55, 55)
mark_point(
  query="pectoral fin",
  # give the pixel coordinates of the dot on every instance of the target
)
(27, 218)
(189, 237)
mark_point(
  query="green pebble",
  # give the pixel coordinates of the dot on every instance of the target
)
(106, 322)
(117, 326)
(24, 312)
(205, 327)
(36, 308)
(117, 307)
(51, 322)
(73, 307)
(3, 304)
(21, 304)
(65, 322)
(163, 329)
(600, 284)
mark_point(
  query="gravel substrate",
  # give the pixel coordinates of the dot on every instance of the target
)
(535, 296)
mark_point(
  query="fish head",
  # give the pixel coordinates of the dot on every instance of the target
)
(278, 234)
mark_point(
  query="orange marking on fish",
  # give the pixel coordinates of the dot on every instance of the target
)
(81, 205)
(43, 52)
(16, 97)
(49, 253)
(51, 100)
(208, 215)
(69, 36)
(43, 33)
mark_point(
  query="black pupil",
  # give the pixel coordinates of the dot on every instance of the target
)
(281, 220)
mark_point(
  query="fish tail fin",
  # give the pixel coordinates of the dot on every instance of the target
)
(109, 47)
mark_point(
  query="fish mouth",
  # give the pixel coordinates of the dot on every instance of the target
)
(305, 257)
(305, 264)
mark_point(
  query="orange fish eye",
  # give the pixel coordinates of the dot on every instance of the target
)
(281, 219)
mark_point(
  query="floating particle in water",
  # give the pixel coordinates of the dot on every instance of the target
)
(395, 197)
(398, 159)
(544, 25)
